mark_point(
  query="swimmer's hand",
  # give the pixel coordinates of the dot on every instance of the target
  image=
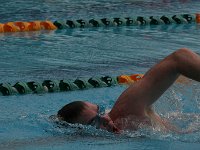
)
(183, 80)
(108, 124)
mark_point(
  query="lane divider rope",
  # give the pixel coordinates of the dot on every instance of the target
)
(50, 86)
(102, 22)
(128, 21)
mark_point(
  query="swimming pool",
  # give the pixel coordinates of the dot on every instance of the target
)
(24, 120)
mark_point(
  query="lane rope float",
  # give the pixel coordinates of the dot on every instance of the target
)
(49, 86)
(128, 21)
(101, 22)
(27, 26)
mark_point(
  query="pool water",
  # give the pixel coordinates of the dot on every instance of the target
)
(73, 53)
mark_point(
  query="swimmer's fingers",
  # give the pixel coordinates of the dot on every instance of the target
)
(182, 79)
(116, 130)
(109, 125)
(112, 128)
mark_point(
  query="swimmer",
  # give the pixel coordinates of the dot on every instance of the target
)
(133, 109)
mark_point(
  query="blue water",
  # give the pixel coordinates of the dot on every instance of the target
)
(24, 120)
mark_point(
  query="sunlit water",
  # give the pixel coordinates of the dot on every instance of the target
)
(24, 120)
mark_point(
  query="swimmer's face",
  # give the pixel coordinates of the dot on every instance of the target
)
(89, 116)
(90, 110)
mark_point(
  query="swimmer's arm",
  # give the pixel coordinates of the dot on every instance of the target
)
(146, 91)
(155, 82)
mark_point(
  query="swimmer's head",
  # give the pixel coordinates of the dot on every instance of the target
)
(77, 112)
(87, 114)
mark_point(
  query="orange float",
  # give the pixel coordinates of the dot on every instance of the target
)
(136, 77)
(125, 79)
(10, 27)
(47, 25)
(23, 26)
(198, 18)
(34, 26)
(1, 27)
